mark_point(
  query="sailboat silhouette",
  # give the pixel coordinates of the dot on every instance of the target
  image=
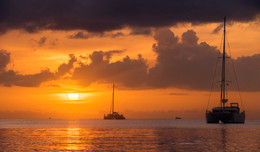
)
(113, 115)
(224, 113)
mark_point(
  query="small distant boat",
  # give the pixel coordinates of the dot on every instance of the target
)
(114, 115)
(178, 118)
(225, 114)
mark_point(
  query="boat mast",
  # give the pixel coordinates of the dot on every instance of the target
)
(113, 100)
(223, 78)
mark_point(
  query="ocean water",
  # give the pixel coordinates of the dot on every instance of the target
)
(127, 135)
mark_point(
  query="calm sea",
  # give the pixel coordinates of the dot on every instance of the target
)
(127, 135)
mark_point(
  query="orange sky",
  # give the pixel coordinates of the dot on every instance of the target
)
(50, 98)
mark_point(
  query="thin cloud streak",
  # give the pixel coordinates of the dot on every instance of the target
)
(85, 35)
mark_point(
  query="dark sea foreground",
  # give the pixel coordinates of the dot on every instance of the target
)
(127, 135)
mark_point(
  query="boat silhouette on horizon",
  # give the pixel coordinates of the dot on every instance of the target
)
(113, 115)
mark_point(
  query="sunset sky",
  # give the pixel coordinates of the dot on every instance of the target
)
(60, 58)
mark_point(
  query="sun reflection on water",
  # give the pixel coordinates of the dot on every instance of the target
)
(73, 137)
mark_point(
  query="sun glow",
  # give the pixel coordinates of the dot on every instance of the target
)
(73, 96)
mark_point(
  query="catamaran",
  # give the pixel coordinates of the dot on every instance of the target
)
(113, 115)
(225, 113)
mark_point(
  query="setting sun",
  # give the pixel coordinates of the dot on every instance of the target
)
(73, 96)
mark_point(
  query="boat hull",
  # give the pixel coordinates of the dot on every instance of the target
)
(114, 116)
(225, 117)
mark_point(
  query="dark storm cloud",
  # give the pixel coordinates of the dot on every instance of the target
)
(128, 72)
(100, 15)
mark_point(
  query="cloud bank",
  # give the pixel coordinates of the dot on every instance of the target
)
(186, 64)
(100, 15)
(128, 72)
(182, 62)
(10, 78)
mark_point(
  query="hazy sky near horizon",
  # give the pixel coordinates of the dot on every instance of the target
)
(160, 55)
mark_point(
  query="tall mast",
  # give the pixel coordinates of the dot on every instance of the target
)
(223, 78)
(113, 99)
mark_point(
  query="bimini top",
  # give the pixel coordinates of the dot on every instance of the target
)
(226, 109)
